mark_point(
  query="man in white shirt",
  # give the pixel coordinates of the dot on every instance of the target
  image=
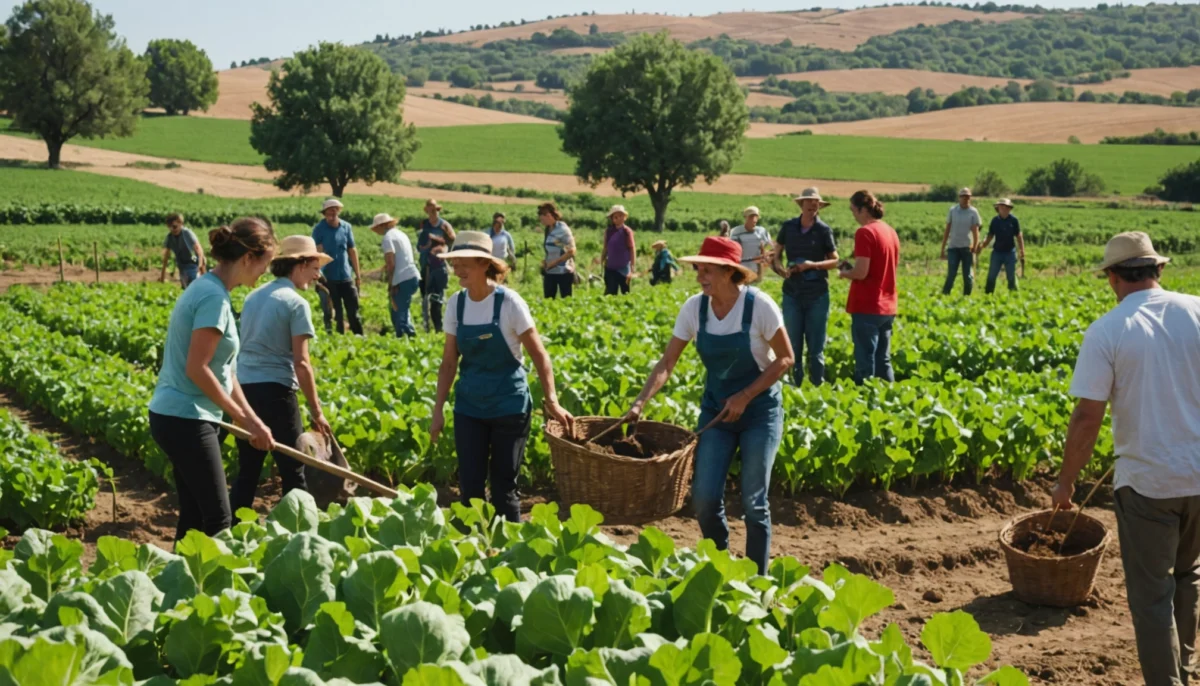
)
(503, 245)
(1143, 356)
(399, 273)
(754, 239)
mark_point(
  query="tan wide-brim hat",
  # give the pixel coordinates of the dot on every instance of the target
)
(383, 218)
(1003, 202)
(332, 202)
(1131, 249)
(751, 210)
(300, 247)
(811, 194)
(474, 244)
(433, 203)
(964, 191)
(658, 244)
(615, 209)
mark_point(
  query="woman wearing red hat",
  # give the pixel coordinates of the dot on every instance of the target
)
(744, 347)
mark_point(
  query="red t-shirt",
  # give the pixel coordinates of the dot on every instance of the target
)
(875, 294)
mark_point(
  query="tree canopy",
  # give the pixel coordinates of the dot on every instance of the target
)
(181, 76)
(65, 73)
(334, 118)
(653, 115)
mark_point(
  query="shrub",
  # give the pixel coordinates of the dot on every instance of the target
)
(946, 191)
(417, 77)
(1181, 184)
(1073, 140)
(989, 184)
(464, 77)
(1062, 178)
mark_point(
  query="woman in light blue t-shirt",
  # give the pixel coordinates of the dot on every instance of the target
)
(198, 380)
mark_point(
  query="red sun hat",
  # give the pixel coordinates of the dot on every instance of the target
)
(725, 252)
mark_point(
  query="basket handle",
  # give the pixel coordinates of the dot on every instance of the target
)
(1085, 502)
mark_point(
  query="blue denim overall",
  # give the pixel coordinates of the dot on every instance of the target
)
(731, 369)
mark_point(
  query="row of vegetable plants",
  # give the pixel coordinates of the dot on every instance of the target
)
(402, 592)
(38, 485)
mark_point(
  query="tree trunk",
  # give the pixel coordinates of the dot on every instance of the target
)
(660, 199)
(55, 148)
(338, 188)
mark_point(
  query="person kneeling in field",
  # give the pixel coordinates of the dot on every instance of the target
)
(189, 256)
(664, 266)
(1143, 356)
(486, 327)
(744, 347)
(273, 362)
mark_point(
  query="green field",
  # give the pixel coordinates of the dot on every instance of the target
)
(534, 148)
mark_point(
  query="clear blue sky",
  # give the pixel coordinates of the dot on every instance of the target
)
(245, 29)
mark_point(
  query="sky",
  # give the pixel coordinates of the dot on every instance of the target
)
(232, 30)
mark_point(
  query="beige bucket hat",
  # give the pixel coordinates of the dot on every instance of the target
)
(1003, 201)
(658, 244)
(434, 204)
(302, 247)
(382, 218)
(474, 244)
(332, 202)
(964, 191)
(615, 209)
(751, 210)
(1131, 249)
(811, 193)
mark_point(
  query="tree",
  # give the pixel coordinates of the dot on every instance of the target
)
(988, 184)
(1062, 178)
(464, 76)
(416, 77)
(551, 79)
(652, 115)
(65, 73)
(1181, 184)
(181, 76)
(334, 118)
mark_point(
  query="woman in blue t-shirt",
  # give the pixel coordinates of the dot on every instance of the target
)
(198, 380)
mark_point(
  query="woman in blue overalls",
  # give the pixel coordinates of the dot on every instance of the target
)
(487, 325)
(744, 347)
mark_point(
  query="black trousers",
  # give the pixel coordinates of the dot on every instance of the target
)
(344, 296)
(557, 284)
(491, 450)
(615, 282)
(276, 405)
(194, 448)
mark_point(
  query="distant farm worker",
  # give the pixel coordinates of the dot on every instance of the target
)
(276, 326)
(198, 382)
(343, 279)
(664, 266)
(399, 273)
(487, 325)
(558, 269)
(434, 238)
(618, 253)
(189, 256)
(1010, 245)
(754, 239)
(959, 241)
(744, 347)
(1143, 356)
(811, 254)
(503, 245)
(723, 229)
(872, 302)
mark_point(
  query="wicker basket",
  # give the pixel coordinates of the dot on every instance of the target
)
(1058, 581)
(623, 489)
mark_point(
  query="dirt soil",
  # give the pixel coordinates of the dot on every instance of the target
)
(890, 81)
(1162, 81)
(42, 276)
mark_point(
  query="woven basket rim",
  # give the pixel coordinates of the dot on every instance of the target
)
(1006, 535)
(580, 449)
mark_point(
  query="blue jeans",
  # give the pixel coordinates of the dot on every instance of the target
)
(1007, 260)
(188, 273)
(401, 296)
(806, 322)
(758, 439)
(954, 258)
(872, 336)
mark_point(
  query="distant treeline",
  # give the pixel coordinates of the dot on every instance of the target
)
(1159, 137)
(512, 105)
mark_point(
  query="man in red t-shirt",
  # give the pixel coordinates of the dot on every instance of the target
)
(872, 302)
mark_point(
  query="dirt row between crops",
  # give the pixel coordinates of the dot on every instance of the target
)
(44, 276)
(935, 548)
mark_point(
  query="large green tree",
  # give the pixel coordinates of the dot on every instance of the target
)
(334, 118)
(652, 115)
(65, 73)
(181, 76)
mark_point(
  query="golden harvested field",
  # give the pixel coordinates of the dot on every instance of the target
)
(556, 99)
(1027, 122)
(579, 51)
(825, 28)
(890, 81)
(238, 89)
(1158, 81)
(754, 99)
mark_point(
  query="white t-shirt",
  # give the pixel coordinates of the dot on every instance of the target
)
(397, 243)
(1143, 356)
(515, 318)
(766, 321)
(754, 242)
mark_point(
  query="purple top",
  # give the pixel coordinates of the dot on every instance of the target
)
(618, 241)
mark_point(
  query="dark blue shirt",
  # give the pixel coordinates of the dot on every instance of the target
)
(335, 242)
(1004, 232)
(806, 246)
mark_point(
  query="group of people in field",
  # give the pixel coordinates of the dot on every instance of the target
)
(1142, 357)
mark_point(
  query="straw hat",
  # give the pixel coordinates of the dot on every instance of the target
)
(965, 191)
(1131, 249)
(725, 252)
(434, 204)
(658, 244)
(1003, 201)
(382, 218)
(751, 210)
(615, 209)
(332, 202)
(300, 247)
(811, 194)
(474, 244)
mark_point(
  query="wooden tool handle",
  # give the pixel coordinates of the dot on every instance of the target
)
(315, 463)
